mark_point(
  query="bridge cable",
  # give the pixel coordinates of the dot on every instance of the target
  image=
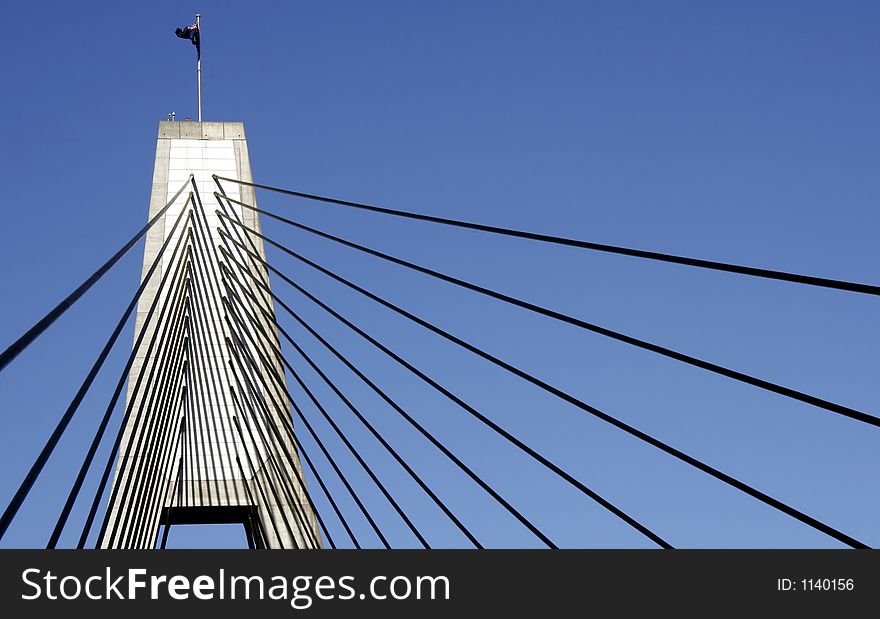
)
(37, 467)
(19, 345)
(255, 477)
(267, 300)
(326, 415)
(601, 247)
(99, 433)
(143, 509)
(200, 348)
(167, 371)
(240, 343)
(279, 355)
(305, 421)
(326, 454)
(253, 395)
(166, 524)
(472, 411)
(287, 484)
(757, 494)
(565, 318)
(209, 295)
(204, 246)
(169, 360)
(476, 478)
(305, 454)
(156, 399)
(160, 435)
(163, 398)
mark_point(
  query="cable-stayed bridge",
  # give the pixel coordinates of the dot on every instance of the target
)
(218, 393)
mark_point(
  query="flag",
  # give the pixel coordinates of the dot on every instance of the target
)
(191, 32)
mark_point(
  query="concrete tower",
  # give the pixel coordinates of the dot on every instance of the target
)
(209, 438)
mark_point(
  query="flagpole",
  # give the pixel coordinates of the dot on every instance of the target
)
(199, 64)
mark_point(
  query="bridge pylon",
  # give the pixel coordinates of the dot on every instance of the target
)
(208, 434)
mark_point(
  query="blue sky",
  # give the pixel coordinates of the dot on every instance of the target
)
(744, 132)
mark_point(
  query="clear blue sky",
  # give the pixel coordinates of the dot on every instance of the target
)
(743, 132)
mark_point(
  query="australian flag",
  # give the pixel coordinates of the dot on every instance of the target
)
(191, 32)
